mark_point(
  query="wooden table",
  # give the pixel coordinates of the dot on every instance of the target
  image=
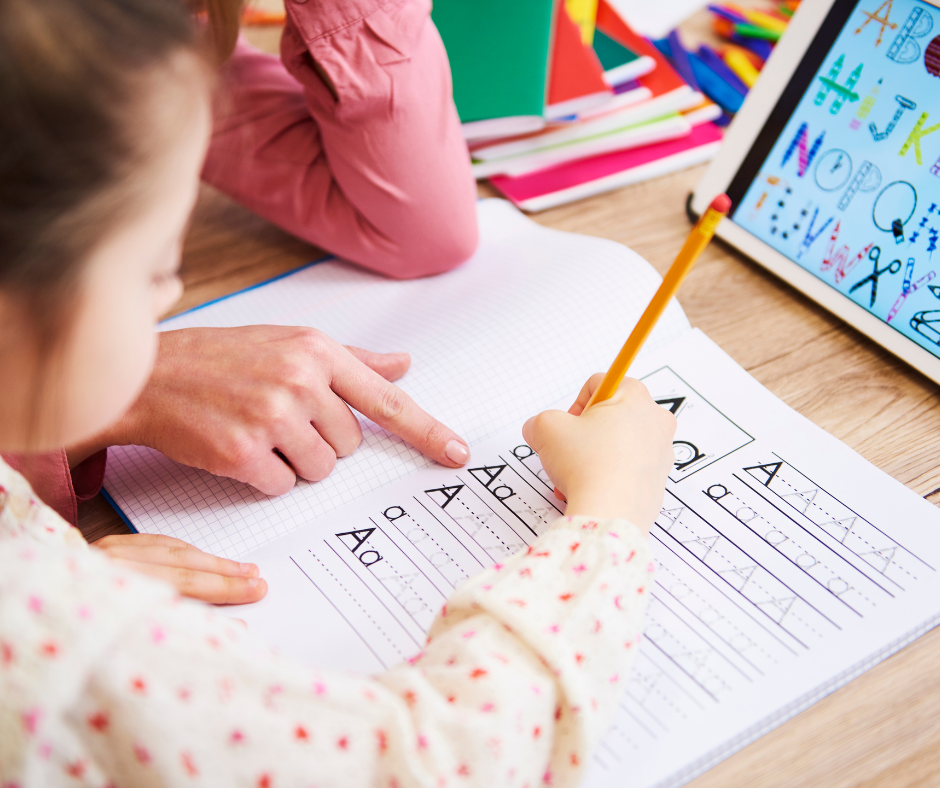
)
(881, 730)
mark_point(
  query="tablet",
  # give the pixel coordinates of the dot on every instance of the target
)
(833, 169)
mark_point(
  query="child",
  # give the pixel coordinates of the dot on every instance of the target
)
(107, 677)
(350, 141)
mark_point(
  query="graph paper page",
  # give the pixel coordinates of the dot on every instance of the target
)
(786, 566)
(523, 323)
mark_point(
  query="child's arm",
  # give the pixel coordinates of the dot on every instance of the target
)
(516, 685)
(377, 173)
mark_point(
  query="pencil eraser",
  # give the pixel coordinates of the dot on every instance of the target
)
(722, 203)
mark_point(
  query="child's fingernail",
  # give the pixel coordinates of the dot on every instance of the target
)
(249, 569)
(255, 583)
(456, 451)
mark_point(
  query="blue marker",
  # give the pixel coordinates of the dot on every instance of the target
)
(715, 87)
(713, 60)
(727, 13)
(681, 59)
(760, 48)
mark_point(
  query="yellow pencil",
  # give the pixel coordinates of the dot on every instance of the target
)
(695, 244)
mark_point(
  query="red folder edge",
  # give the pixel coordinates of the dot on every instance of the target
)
(575, 70)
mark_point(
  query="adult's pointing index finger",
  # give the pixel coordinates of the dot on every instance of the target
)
(389, 407)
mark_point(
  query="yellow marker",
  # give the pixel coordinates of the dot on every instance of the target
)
(583, 13)
(697, 241)
(738, 62)
(766, 21)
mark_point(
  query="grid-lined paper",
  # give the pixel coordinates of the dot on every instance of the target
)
(519, 326)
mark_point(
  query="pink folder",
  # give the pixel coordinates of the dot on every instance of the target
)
(576, 180)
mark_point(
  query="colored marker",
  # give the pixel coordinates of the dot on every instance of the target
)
(715, 87)
(753, 31)
(681, 60)
(765, 21)
(741, 65)
(760, 48)
(713, 60)
(726, 13)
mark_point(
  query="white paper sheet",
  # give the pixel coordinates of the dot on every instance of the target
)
(521, 324)
(656, 20)
(787, 565)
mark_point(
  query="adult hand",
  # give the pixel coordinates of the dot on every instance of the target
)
(194, 573)
(611, 461)
(265, 404)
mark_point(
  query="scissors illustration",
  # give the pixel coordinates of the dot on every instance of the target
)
(876, 274)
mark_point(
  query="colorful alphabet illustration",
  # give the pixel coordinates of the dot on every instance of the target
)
(904, 48)
(903, 104)
(882, 21)
(843, 92)
(908, 288)
(925, 323)
(870, 237)
(914, 138)
(806, 154)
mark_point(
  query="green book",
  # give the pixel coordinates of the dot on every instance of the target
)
(499, 53)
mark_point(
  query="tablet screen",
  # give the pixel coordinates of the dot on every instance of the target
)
(844, 179)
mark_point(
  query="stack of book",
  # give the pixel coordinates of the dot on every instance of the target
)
(561, 100)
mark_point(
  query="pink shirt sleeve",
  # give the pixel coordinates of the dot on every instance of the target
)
(55, 485)
(380, 175)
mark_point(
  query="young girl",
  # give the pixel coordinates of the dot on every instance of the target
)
(107, 677)
(350, 141)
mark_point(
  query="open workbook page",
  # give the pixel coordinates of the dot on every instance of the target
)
(786, 565)
(524, 322)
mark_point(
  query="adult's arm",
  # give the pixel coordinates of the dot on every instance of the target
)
(377, 172)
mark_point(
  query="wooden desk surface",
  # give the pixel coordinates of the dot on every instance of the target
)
(883, 729)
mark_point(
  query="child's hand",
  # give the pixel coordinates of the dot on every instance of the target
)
(613, 460)
(194, 573)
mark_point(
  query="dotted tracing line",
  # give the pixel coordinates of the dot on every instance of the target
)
(834, 518)
(687, 652)
(357, 603)
(790, 539)
(653, 688)
(626, 737)
(406, 584)
(751, 580)
(663, 568)
(483, 522)
(436, 544)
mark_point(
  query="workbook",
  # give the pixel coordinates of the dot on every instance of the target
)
(499, 57)
(786, 564)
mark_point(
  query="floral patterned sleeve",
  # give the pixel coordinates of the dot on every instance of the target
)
(515, 686)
